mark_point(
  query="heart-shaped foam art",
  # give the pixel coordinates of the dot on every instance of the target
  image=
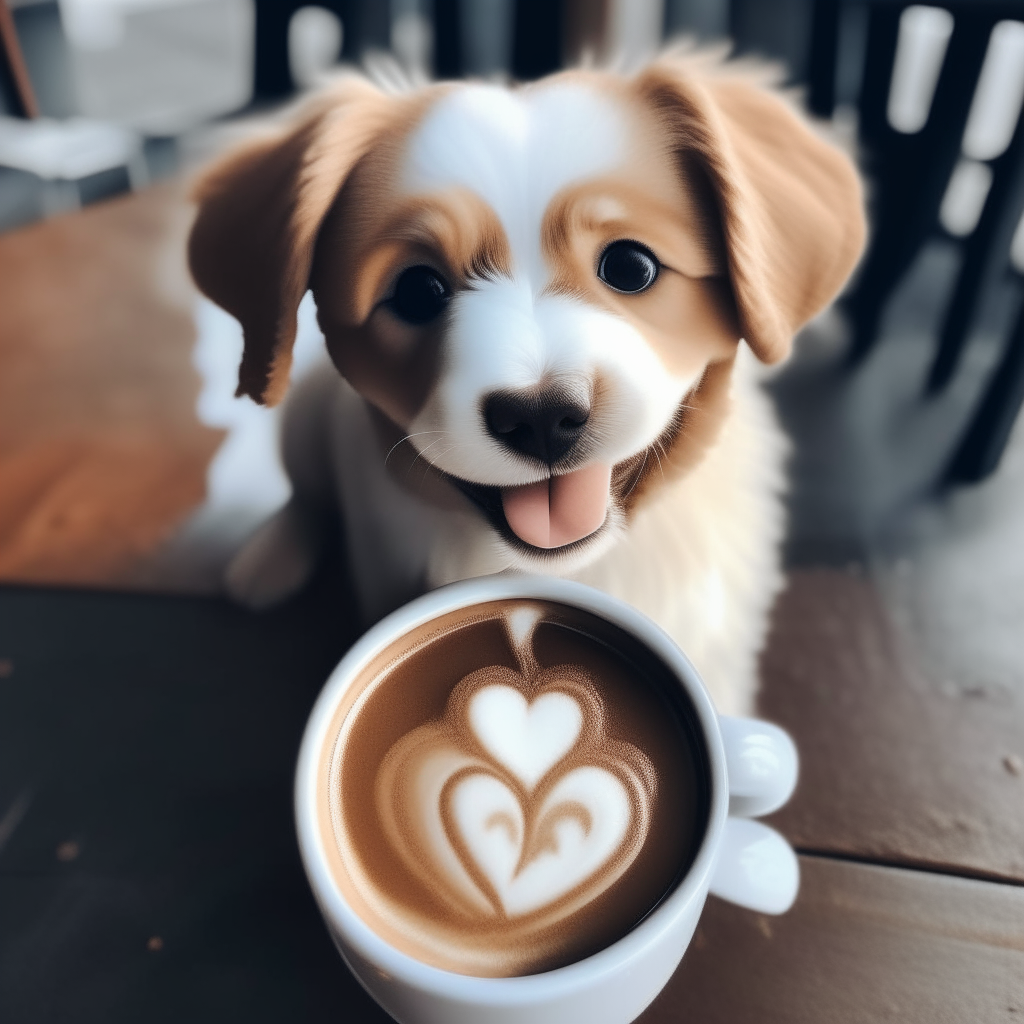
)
(582, 823)
(517, 803)
(527, 739)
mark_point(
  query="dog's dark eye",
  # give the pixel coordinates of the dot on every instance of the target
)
(421, 294)
(628, 267)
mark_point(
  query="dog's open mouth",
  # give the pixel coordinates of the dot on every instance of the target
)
(549, 514)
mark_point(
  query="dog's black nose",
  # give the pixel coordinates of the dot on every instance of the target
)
(544, 424)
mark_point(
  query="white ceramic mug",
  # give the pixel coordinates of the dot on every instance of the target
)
(752, 771)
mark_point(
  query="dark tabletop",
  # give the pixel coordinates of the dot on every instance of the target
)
(149, 870)
(148, 865)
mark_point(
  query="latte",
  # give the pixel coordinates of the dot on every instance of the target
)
(511, 788)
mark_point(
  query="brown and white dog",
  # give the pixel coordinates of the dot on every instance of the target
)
(535, 298)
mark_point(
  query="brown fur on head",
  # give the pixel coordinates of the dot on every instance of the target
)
(510, 199)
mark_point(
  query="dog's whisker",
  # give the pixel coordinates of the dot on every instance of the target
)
(408, 437)
(661, 468)
(423, 452)
(664, 451)
(428, 465)
(639, 473)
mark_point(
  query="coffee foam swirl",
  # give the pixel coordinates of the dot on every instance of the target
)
(510, 818)
(517, 803)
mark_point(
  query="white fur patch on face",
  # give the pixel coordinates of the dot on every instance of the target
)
(502, 336)
(517, 151)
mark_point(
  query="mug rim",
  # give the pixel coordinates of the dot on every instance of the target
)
(522, 989)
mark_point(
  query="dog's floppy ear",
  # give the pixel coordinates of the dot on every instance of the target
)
(260, 209)
(789, 204)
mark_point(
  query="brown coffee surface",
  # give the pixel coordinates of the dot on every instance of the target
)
(511, 788)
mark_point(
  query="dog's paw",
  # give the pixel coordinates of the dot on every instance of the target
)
(274, 563)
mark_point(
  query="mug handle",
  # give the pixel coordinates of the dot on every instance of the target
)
(762, 764)
(756, 868)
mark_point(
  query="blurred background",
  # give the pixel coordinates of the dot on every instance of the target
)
(906, 392)
(129, 473)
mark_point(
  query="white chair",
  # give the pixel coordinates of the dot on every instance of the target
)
(62, 153)
(160, 66)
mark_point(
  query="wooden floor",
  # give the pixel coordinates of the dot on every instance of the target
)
(101, 455)
(909, 817)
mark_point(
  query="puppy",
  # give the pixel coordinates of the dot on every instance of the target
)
(544, 307)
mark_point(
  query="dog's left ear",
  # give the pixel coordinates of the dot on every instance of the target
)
(260, 209)
(789, 204)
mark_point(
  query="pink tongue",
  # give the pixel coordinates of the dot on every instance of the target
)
(560, 510)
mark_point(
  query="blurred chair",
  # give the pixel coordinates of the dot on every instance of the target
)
(134, 69)
(987, 435)
(63, 154)
(938, 98)
(16, 93)
(59, 153)
(159, 66)
(365, 26)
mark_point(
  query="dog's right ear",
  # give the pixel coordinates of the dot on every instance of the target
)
(260, 209)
